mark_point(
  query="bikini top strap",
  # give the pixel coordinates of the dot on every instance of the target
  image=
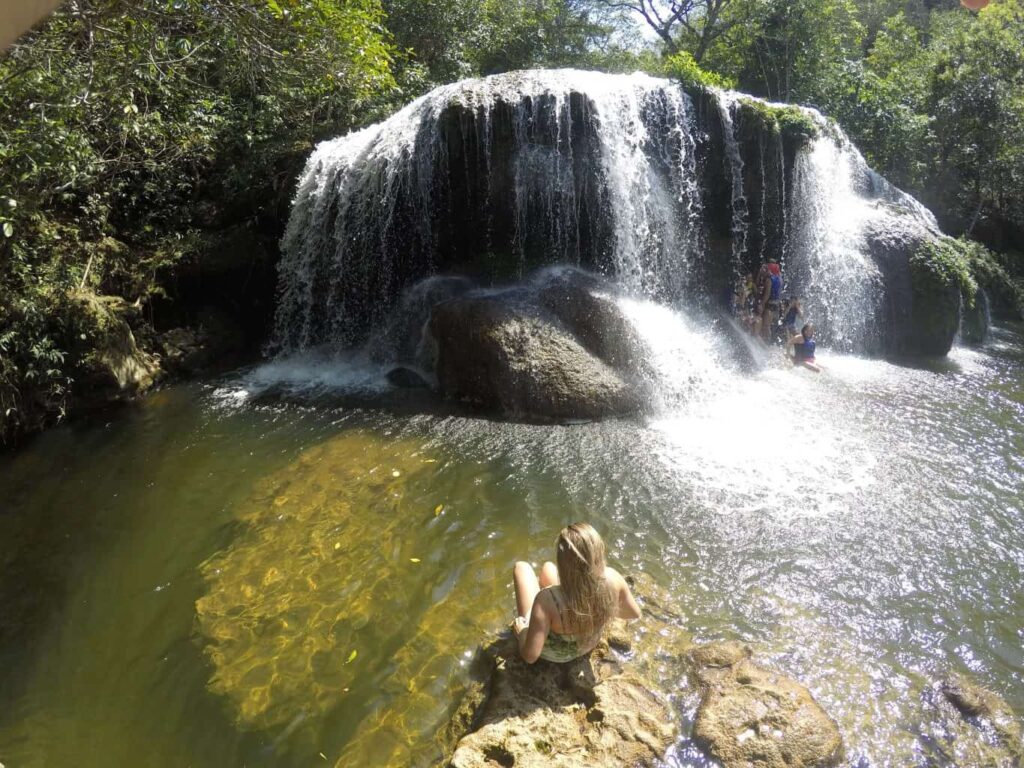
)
(556, 594)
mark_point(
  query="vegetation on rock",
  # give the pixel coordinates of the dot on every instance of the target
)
(791, 121)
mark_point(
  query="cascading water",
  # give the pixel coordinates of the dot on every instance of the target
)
(574, 166)
(835, 198)
(624, 174)
(726, 102)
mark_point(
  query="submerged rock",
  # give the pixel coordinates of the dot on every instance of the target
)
(752, 716)
(558, 353)
(992, 713)
(406, 378)
(589, 712)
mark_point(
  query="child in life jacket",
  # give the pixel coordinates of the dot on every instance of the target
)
(803, 349)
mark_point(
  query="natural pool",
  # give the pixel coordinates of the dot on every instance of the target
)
(207, 581)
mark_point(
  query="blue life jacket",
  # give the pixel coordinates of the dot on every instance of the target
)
(776, 287)
(804, 351)
(791, 316)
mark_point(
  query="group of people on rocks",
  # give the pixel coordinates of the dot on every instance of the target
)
(758, 303)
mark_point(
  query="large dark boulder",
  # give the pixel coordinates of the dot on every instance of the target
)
(504, 353)
(975, 320)
(923, 288)
(585, 304)
(402, 338)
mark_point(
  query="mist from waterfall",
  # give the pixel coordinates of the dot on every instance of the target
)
(503, 174)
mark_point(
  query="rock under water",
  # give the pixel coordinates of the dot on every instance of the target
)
(752, 716)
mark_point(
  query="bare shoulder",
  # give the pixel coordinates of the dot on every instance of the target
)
(615, 578)
(545, 602)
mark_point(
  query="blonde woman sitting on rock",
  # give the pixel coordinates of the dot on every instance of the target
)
(562, 614)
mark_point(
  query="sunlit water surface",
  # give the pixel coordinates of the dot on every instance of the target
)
(206, 581)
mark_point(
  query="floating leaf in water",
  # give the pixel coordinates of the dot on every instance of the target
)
(323, 755)
(337, 545)
(414, 560)
(395, 473)
(352, 657)
(438, 509)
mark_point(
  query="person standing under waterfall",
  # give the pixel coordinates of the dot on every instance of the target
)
(769, 293)
(561, 615)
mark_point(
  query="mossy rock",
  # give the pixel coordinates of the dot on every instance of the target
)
(791, 121)
(989, 270)
(972, 700)
(940, 280)
(110, 363)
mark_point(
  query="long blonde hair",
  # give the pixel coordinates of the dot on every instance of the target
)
(581, 563)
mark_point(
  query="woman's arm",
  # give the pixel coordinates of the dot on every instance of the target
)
(531, 638)
(625, 605)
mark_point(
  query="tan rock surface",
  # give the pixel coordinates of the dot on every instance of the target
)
(752, 717)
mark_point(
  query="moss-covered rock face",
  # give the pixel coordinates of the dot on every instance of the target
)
(1002, 736)
(940, 280)
(789, 120)
(1004, 290)
(111, 364)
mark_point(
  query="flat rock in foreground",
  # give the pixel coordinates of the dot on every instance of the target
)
(750, 716)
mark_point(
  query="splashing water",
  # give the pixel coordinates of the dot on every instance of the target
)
(835, 198)
(726, 102)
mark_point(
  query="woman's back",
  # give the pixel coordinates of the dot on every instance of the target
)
(564, 612)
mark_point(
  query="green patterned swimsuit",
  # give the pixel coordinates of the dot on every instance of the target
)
(561, 648)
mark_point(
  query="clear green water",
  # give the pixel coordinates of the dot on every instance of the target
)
(186, 584)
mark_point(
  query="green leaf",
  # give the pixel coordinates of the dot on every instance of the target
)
(8, 229)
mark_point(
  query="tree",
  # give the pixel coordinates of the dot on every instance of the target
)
(683, 25)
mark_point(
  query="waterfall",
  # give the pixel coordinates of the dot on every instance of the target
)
(726, 101)
(394, 202)
(623, 174)
(835, 197)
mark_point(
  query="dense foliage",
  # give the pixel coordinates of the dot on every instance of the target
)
(131, 134)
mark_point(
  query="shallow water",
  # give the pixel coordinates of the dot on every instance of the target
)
(208, 581)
